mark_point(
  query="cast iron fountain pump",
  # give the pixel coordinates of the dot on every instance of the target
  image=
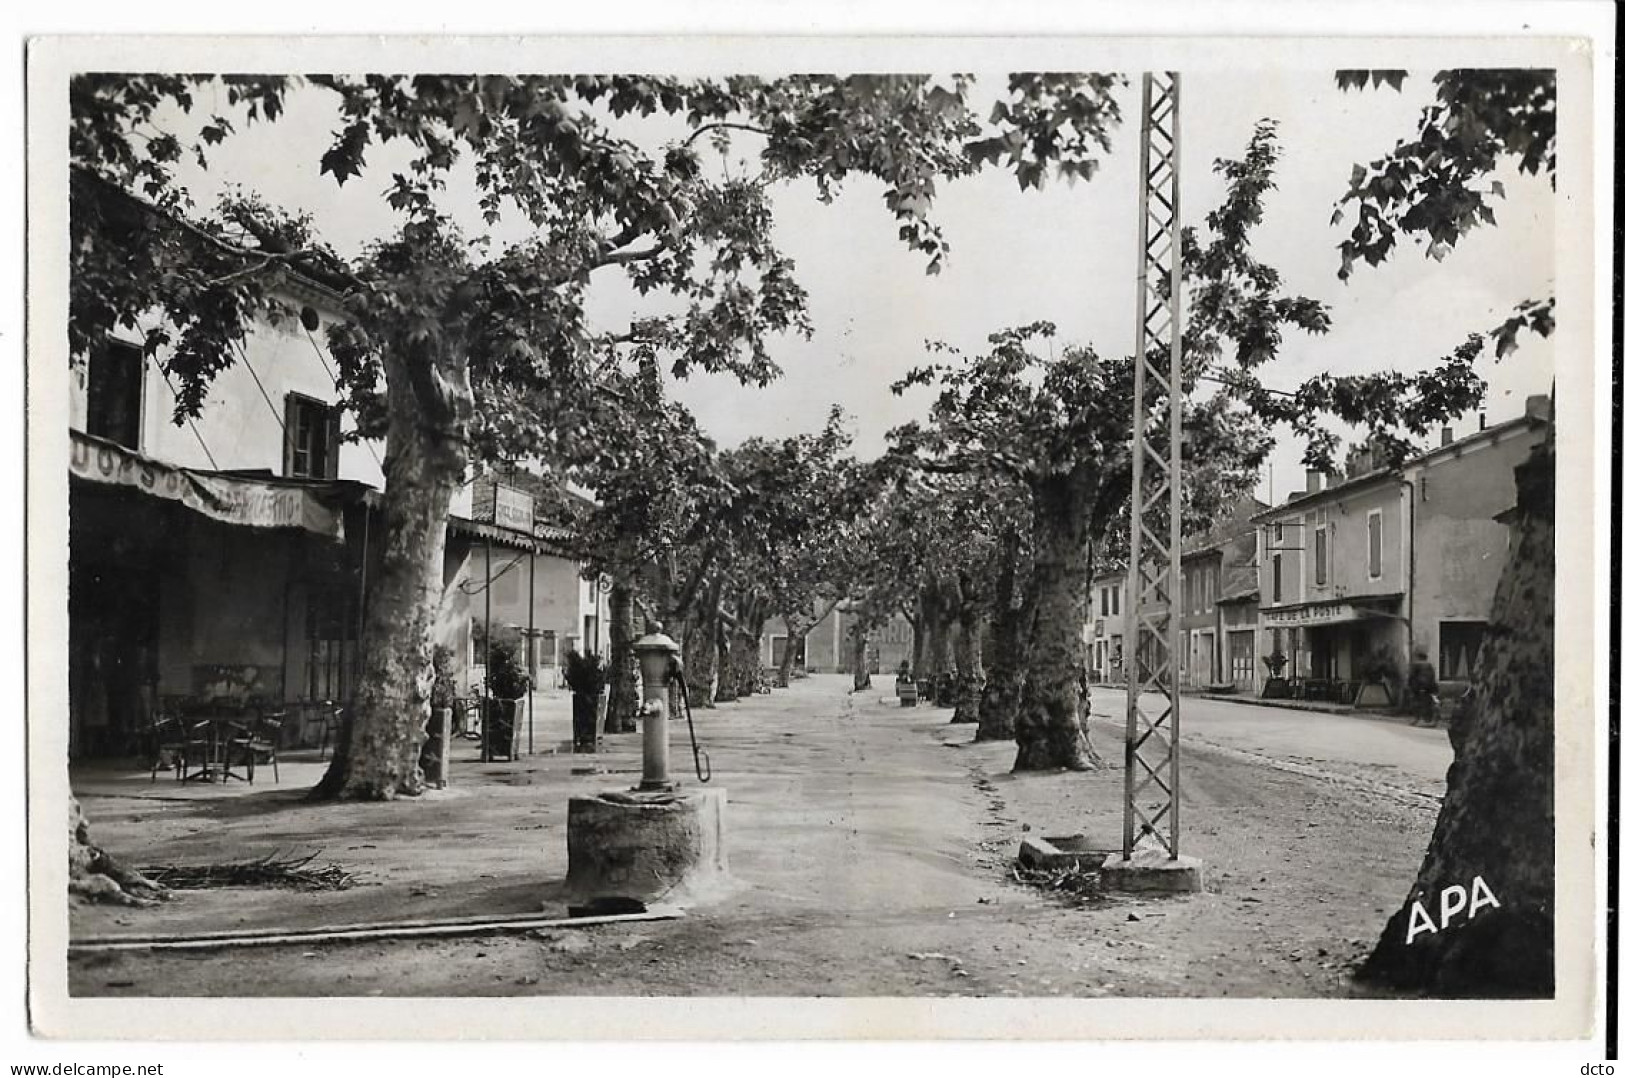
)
(656, 652)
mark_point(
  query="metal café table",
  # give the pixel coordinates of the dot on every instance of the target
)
(210, 735)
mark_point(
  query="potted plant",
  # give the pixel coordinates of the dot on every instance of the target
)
(1275, 686)
(506, 683)
(1378, 679)
(442, 699)
(587, 678)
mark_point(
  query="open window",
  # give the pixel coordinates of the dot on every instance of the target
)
(310, 438)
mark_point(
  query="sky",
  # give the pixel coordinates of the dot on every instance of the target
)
(1064, 254)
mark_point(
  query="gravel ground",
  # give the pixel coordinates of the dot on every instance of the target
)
(871, 848)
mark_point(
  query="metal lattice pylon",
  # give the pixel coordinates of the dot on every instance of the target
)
(1151, 644)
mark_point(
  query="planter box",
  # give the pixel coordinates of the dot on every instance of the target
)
(587, 716)
(501, 725)
(1373, 694)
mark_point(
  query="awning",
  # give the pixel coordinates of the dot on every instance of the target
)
(493, 533)
(1330, 612)
(546, 540)
(254, 503)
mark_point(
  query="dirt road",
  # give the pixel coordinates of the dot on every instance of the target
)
(871, 848)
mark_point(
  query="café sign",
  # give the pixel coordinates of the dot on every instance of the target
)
(515, 509)
(1316, 614)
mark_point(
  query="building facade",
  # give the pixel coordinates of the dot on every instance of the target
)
(1208, 620)
(537, 591)
(227, 558)
(218, 558)
(1358, 576)
(1218, 622)
(827, 647)
(1104, 634)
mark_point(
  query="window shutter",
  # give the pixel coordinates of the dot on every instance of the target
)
(290, 431)
(333, 416)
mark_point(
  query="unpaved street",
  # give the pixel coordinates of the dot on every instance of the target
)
(871, 847)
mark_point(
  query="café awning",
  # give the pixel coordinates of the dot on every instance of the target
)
(259, 502)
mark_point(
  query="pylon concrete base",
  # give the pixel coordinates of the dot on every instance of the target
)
(1151, 871)
(1050, 852)
(647, 847)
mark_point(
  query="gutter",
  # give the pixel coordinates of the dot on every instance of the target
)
(1410, 568)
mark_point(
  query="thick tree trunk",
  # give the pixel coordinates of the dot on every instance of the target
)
(1052, 723)
(700, 653)
(1001, 700)
(670, 615)
(727, 676)
(1007, 646)
(938, 662)
(623, 664)
(968, 661)
(744, 660)
(793, 639)
(916, 662)
(859, 637)
(1496, 824)
(97, 876)
(377, 753)
(924, 646)
(751, 677)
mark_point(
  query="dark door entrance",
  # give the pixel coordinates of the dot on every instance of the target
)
(114, 566)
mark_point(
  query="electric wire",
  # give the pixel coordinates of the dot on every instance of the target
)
(242, 354)
(469, 588)
(333, 375)
(190, 422)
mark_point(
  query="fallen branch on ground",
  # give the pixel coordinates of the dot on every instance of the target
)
(266, 871)
(1072, 881)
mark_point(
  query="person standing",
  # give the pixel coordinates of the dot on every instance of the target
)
(1422, 689)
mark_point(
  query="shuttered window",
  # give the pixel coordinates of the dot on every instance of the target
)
(113, 394)
(311, 438)
(1373, 529)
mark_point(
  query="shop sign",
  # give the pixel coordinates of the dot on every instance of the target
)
(222, 498)
(1321, 614)
(515, 510)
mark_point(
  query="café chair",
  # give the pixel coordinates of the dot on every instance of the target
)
(261, 740)
(168, 742)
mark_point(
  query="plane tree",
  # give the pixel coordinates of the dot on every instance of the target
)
(656, 484)
(1061, 428)
(1009, 624)
(807, 491)
(950, 525)
(1497, 821)
(877, 565)
(434, 322)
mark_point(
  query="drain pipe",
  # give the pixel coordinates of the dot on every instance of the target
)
(1410, 569)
